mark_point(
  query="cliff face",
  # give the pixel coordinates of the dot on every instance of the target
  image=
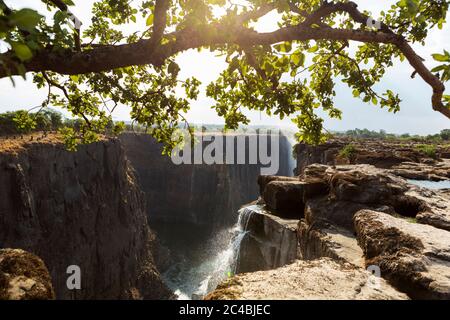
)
(269, 242)
(80, 208)
(207, 195)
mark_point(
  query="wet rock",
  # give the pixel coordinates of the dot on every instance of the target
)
(250, 257)
(270, 241)
(304, 280)
(23, 276)
(414, 257)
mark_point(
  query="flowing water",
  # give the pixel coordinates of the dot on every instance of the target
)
(436, 185)
(201, 262)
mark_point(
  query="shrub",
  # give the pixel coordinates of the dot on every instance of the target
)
(348, 152)
(427, 149)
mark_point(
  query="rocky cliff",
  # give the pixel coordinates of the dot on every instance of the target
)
(201, 194)
(359, 216)
(80, 208)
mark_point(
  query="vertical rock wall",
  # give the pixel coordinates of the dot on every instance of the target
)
(80, 208)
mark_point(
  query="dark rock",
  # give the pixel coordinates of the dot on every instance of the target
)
(270, 241)
(340, 213)
(250, 256)
(286, 197)
(264, 180)
(80, 208)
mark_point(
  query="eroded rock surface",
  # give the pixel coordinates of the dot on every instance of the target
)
(415, 257)
(317, 279)
(382, 154)
(406, 233)
(23, 276)
(329, 241)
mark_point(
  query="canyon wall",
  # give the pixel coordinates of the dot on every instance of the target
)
(80, 208)
(200, 194)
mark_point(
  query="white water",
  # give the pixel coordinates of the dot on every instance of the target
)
(193, 277)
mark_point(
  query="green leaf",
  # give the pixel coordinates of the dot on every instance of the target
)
(173, 68)
(69, 2)
(440, 57)
(22, 51)
(313, 49)
(298, 58)
(149, 20)
(26, 19)
(439, 68)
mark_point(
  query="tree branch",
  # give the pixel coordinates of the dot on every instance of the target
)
(160, 17)
(150, 51)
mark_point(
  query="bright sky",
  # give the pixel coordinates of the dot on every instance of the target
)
(416, 115)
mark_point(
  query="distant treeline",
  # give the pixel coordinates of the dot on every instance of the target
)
(444, 135)
(23, 122)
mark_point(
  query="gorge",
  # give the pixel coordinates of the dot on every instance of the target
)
(141, 227)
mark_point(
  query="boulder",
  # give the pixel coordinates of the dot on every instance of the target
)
(413, 256)
(307, 280)
(286, 197)
(263, 180)
(23, 276)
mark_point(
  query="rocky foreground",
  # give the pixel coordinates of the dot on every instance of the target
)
(317, 279)
(350, 221)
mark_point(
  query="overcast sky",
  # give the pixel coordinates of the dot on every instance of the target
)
(416, 115)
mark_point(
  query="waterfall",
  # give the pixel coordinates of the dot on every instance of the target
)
(193, 280)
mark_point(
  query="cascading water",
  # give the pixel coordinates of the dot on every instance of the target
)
(194, 275)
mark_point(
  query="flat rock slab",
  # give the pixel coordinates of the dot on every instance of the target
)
(307, 280)
(413, 256)
(329, 241)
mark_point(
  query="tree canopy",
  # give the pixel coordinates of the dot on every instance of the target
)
(291, 71)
